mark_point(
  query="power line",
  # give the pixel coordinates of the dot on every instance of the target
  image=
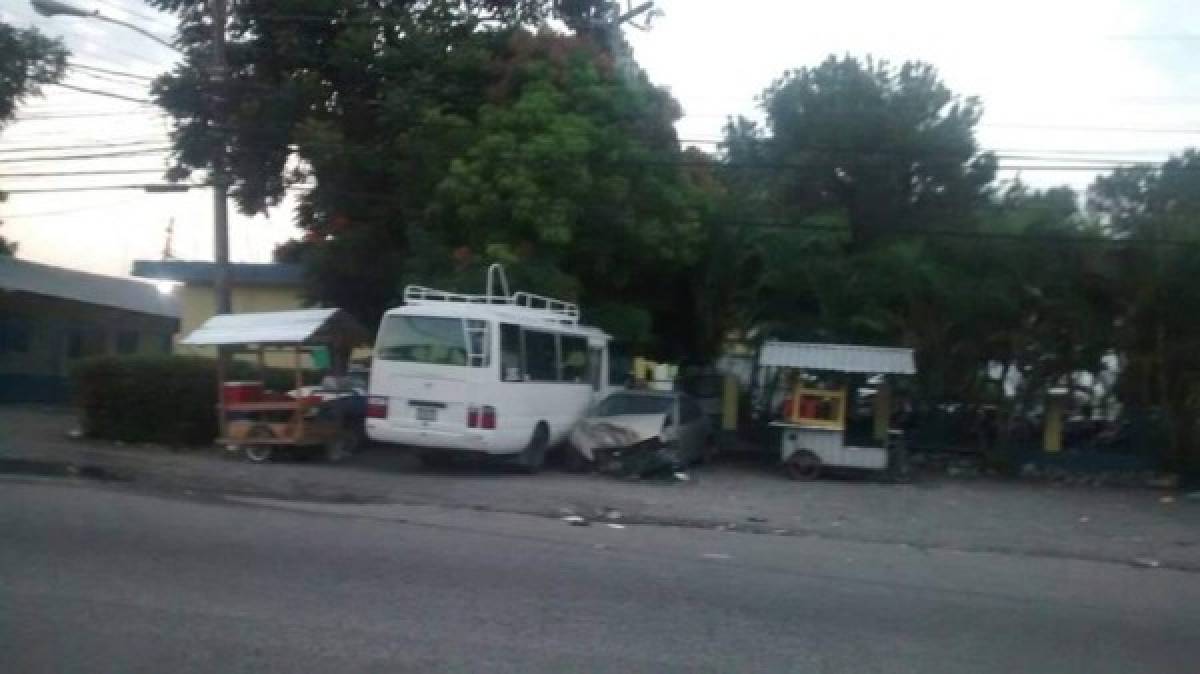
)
(98, 155)
(106, 71)
(65, 174)
(85, 115)
(97, 92)
(80, 146)
(149, 187)
(65, 211)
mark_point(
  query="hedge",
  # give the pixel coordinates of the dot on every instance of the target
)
(163, 399)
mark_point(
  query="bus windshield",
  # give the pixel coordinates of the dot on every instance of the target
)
(432, 340)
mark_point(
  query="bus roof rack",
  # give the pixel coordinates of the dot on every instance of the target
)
(548, 308)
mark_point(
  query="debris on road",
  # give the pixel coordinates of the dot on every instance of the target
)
(614, 525)
(576, 521)
(1146, 562)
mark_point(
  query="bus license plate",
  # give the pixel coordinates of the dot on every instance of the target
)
(426, 414)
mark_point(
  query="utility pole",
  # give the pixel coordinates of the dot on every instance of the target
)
(221, 281)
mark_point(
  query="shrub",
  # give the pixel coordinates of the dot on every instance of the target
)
(166, 399)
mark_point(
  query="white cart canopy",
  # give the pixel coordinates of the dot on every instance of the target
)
(299, 327)
(838, 357)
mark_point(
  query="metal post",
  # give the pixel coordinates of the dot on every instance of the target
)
(221, 280)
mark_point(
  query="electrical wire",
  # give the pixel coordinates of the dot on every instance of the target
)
(98, 155)
(106, 71)
(66, 174)
(80, 146)
(98, 92)
(166, 187)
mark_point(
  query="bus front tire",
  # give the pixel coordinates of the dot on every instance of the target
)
(531, 458)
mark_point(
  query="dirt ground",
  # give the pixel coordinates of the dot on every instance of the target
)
(1130, 526)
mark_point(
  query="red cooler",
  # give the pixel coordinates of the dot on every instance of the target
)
(242, 392)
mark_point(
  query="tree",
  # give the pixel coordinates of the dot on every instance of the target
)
(1154, 215)
(892, 148)
(431, 138)
(28, 60)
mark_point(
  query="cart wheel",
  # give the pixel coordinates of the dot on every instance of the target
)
(803, 465)
(341, 445)
(258, 453)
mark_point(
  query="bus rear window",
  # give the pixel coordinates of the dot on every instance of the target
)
(433, 340)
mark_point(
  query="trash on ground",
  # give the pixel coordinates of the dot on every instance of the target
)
(682, 477)
(575, 521)
(613, 525)
(1146, 562)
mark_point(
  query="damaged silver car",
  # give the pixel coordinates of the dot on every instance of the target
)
(641, 432)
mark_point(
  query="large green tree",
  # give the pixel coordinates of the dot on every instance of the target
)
(892, 148)
(880, 222)
(1154, 214)
(28, 60)
(427, 139)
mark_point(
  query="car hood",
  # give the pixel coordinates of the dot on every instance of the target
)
(617, 431)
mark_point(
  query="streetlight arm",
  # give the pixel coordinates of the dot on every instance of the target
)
(56, 8)
(131, 26)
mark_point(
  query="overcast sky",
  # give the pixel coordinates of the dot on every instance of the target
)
(1080, 80)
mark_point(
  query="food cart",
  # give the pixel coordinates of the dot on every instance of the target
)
(258, 422)
(812, 419)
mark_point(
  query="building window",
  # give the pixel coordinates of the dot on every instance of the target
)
(127, 342)
(14, 336)
(85, 342)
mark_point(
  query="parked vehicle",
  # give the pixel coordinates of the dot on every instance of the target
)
(632, 425)
(498, 374)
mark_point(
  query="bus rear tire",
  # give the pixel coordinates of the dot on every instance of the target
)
(531, 459)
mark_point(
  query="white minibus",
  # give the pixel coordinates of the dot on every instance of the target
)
(499, 374)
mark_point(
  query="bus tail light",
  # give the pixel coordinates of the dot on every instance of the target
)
(481, 416)
(377, 407)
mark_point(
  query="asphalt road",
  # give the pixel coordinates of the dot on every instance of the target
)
(100, 579)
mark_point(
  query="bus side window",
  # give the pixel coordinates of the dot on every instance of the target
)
(541, 355)
(596, 368)
(574, 359)
(511, 367)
